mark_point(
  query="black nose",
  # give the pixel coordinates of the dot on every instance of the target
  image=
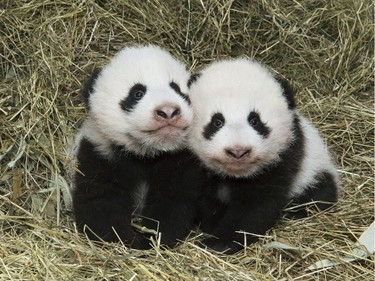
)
(237, 153)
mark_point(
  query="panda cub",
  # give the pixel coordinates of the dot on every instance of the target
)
(130, 150)
(261, 153)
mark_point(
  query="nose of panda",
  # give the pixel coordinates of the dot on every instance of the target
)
(167, 112)
(238, 153)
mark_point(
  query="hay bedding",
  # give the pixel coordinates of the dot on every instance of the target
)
(47, 49)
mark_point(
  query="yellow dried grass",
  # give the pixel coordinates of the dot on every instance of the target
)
(47, 49)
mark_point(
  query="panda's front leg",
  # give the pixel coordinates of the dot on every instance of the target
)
(172, 217)
(102, 213)
(242, 224)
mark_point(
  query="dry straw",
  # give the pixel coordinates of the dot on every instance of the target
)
(47, 48)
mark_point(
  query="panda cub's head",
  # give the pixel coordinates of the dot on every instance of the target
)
(138, 101)
(243, 117)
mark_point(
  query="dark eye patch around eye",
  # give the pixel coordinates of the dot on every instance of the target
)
(136, 93)
(216, 123)
(177, 89)
(255, 122)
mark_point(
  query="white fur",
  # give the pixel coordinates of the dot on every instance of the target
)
(139, 198)
(235, 88)
(223, 194)
(316, 159)
(108, 124)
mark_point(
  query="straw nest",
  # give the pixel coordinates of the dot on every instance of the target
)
(48, 48)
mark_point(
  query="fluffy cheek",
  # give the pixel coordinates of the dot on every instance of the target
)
(278, 141)
(109, 119)
(262, 156)
(204, 149)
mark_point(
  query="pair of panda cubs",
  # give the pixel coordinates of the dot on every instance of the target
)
(224, 149)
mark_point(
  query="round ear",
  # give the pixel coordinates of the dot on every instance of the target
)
(88, 87)
(288, 91)
(194, 77)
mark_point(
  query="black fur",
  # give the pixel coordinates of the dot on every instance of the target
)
(88, 87)
(255, 121)
(216, 123)
(321, 193)
(255, 203)
(193, 78)
(104, 192)
(177, 89)
(136, 93)
(288, 92)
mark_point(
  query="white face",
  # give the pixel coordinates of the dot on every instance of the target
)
(138, 101)
(241, 119)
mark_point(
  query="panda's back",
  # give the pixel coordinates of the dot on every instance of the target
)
(316, 161)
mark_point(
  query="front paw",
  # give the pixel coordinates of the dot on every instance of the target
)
(222, 246)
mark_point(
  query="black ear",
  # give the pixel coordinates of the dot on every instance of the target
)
(194, 77)
(88, 87)
(288, 92)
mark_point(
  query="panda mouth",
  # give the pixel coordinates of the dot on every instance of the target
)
(238, 166)
(166, 128)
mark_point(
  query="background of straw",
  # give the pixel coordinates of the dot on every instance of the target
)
(48, 48)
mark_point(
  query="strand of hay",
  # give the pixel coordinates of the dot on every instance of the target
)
(47, 49)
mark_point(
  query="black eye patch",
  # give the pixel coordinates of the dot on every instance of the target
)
(193, 78)
(177, 89)
(255, 122)
(136, 93)
(216, 123)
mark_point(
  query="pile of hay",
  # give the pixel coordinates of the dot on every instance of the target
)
(47, 48)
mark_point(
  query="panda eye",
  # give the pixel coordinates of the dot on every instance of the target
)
(257, 124)
(254, 121)
(138, 94)
(218, 123)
